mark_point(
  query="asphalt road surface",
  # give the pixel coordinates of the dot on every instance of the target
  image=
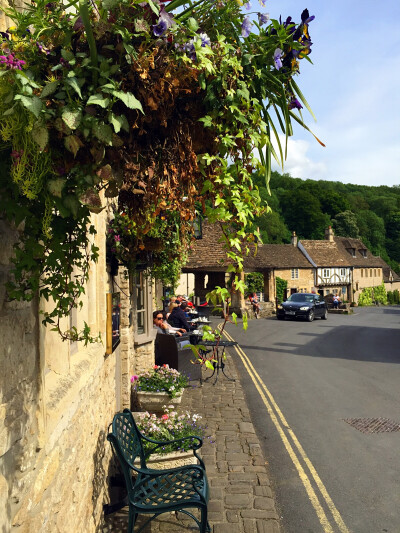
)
(303, 381)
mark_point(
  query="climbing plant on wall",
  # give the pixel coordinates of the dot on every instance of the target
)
(162, 106)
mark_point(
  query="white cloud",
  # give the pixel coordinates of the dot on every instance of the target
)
(298, 163)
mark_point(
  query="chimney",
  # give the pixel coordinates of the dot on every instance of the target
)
(294, 239)
(329, 234)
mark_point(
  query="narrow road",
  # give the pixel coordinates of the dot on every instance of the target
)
(303, 381)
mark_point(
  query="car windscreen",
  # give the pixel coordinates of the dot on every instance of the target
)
(298, 297)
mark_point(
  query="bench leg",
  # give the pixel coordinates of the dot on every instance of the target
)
(204, 525)
(132, 520)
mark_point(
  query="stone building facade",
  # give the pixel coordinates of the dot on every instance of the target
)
(58, 398)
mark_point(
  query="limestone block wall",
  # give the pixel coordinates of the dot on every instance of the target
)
(20, 397)
(56, 401)
(365, 277)
(304, 282)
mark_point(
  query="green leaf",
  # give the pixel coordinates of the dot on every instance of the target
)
(128, 99)
(71, 202)
(33, 104)
(49, 89)
(72, 143)
(245, 321)
(104, 133)
(234, 318)
(56, 186)
(40, 135)
(97, 99)
(73, 82)
(209, 365)
(154, 8)
(67, 55)
(118, 122)
(72, 117)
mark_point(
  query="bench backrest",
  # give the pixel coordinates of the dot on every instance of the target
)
(126, 441)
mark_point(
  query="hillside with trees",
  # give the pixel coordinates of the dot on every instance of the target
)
(371, 214)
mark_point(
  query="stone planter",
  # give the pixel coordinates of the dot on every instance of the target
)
(171, 460)
(154, 401)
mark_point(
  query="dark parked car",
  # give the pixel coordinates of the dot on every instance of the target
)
(303, 305)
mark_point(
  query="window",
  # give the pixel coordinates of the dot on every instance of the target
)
(370, 272)
(366, 272)
(374, 272)
(342, 271)
(326, 273)
(295, 273)
(140, 294)
(362, 272)
(142, 303)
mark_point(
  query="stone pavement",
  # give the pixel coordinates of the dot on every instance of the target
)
(241, 499)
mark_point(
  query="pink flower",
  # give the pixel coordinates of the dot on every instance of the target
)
(164, 417)
(134, 378)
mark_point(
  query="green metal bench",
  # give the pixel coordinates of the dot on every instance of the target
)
(157, 491)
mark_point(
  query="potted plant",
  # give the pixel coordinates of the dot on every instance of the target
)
(170, 426)
(159, 386)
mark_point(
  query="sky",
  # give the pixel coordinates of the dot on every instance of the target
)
(353, 88)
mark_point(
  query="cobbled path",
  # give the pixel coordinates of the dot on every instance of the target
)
(241, 499)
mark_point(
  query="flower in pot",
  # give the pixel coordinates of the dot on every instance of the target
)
(158, 386)
(170, 426)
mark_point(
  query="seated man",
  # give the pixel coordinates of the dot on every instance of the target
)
(162, 326)
(178, 318)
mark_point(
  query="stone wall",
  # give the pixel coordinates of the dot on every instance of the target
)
(56, 402)
(304, 283)
(365, 277)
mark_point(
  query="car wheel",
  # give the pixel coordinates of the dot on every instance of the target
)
(325, 315)
(310, 316)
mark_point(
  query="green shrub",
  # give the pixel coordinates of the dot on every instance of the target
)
(254, 282)
(371, 295)
(281, 286)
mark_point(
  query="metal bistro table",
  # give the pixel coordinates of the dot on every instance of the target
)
(219, 356)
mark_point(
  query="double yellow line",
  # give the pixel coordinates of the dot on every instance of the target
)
(284, 431)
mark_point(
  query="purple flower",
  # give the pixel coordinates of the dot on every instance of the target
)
(262, 3)
(160, 28)
(246, 27)
(278, 58)
(305, 17)
(165, 21)
(11, 62)
(117, 238)
(205, 39)
(247, 5)
(294, 103)
(263, 18)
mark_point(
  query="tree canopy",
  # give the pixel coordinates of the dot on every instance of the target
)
(359, 211)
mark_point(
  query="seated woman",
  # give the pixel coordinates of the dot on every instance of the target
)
(162, 326)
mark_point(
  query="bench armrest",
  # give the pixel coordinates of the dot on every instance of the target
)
(159, 444)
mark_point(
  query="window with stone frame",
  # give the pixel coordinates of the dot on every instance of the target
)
(295, 273)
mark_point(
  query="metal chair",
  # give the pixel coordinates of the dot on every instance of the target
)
(158, 491)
